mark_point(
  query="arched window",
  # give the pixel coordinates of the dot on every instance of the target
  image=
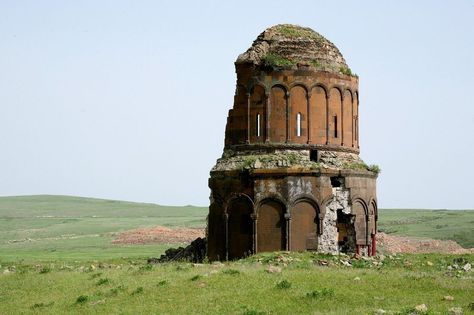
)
(258, 125)
(298, 125)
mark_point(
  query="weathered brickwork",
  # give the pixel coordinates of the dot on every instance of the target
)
(290, 177)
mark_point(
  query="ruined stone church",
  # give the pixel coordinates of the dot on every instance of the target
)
(290, 177)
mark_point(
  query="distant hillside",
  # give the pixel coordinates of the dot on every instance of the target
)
(456, 225)
(76, 228)
(64, 227)
(69, 206)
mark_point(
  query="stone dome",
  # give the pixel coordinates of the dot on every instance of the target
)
(287, 46)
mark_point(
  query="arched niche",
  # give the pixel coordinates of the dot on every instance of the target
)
(347, 118)
(257, 114)
(239, 116)
(239, 228)
(355, 119)
(304, 227)
(318, 115)
(277, 114)
(271, 227)
(372, 218)
(335, 125)
(360, 225)
(299, 117)
(216, 233)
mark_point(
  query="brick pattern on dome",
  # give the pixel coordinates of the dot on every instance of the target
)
(290, 46)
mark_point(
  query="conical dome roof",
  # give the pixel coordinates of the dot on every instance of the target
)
(287, 46)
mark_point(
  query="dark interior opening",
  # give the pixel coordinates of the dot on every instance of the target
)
(337, 181)
(345, 232)
(314, 155)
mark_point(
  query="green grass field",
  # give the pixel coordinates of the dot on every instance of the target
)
(302, 286)
(38, 228)
(42, 228)
(56, 257)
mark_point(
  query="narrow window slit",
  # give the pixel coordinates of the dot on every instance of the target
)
(298, 125)
(258, 125)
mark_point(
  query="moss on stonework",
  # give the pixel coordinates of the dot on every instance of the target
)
(316, 64)
(374, 168)
(273, 160)
(292, 31)
(275, 60)
(346, 71)
(362, 166)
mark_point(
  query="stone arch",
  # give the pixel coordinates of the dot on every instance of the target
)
(355, 118)
(278, 114)
(239, 114)
(239, 227)
(257, 114)
(320, 85)
(298, 105)
(360, 210)
(300, 84)
(318, 114)
(271, 226)
(335, 115)
(216, 233)
(258, 85)
(347, 118)
(373, 216)
(304, 224)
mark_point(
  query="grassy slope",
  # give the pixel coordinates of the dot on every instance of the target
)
(75, 228)
(72, 233)
(242, 287)
(439, 224)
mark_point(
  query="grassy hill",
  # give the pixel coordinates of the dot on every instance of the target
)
(454, 225)
(56, 257)
(76, 228)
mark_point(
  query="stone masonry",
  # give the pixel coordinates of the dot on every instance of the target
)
(290, 176)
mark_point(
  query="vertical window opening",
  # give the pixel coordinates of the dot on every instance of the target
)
(335, 126)
(298, 125)
(258, 125)
(313, 155)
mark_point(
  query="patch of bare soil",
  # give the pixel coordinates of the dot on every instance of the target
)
(158, 234)
(405, 244)
(385, 242)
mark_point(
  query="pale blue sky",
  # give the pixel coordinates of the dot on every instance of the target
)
(107, 98)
